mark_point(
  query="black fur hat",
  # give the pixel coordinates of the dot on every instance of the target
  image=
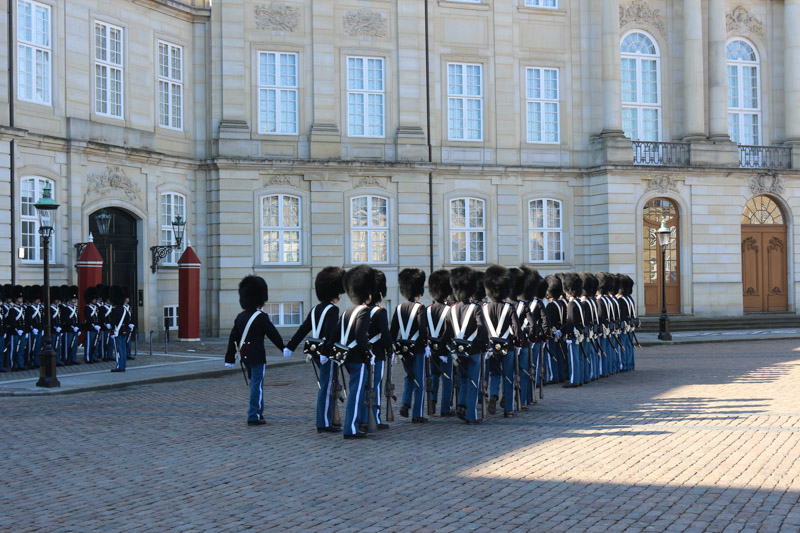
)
(103, 291)
(604, 282)
(572, 283)
(17, 292)
(517, 282)
(554, 287)
(328, 284)
(55, 294)
(116, 295)
(463, 282)
(439, 285)
(480, 289)
(380, 287)
(497, 281)
(626, 282)
(26, 292)
(359, 283)
(253, 292)
(616, 285)
(589, 284)
(73, 292)
(90, 294)
(36, 293)
(532, 284)
(6, 294)
(412, 283)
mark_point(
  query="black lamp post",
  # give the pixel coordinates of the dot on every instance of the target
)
(664, 235)
(160, 252)
(46, 208)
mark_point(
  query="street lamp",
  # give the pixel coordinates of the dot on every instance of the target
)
(160, 252)
(664, 235)
(103, 220)
(46, 209)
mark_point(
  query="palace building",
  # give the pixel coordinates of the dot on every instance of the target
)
(292, 135)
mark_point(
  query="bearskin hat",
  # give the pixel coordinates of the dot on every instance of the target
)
(90, 294)
(604, 282)
(480, 289)
(55, 294)
(541, 292)
(439, 285)
(116, 295)
(104, 292)
(497, 281)
(572, 283)
(412, 283)
(253, 292)
(17, 292)
(26, 292)
(328, 284)
(359, 283)
(626, 282)
(532, 282)
(36, 293)
(517, 282)
(73, 292)
(554, 287)
(463, 281)
(615, 283)
(6, 294)
(380, 287)
(589, 284)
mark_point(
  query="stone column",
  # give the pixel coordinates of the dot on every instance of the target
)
(325, 134)
(693, 96)
(610, 68)
(791, 22)
(717, 72)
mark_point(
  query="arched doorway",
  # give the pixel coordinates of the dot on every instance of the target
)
(764, 282)
(655, 211)
(119, 250)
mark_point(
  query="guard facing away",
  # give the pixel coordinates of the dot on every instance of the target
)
(318, 328)
(33, 325)
(572, 329)
(91, 326)
(247, 340)
(503, 328)
(410, 333)
(380, 342)
(439, 335)
(117, 320)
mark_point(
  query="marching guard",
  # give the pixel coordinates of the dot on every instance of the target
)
(380, 342)
(439, 335)
(91, 326)
(410, 333)
(501, 323)
(33, 325)
(16, 319)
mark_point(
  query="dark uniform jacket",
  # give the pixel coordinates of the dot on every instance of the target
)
(358, 335)
(70, 322)
(16, 319)
(470, 318)
(91, 316)
(433, 317)
(555, 314)
(419, 324)
(380, 338)
(537, 318)
(253, 345)
(33, 317)
(508, 328)
(573, 320)
(327, 331)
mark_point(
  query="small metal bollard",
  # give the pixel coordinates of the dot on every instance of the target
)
(151, 342)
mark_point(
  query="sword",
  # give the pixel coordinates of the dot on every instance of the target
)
(314, 366)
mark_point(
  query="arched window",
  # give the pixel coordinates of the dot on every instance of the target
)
(641, 88)
(369, 229)
(172, 205)
(280, 229)
(467, 230)
(762, 210)
(545, 231)
(30, 193)
(744, 94)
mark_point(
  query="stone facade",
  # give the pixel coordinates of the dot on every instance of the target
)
(223, 163)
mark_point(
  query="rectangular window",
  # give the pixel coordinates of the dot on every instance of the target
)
(544, 221)
(280, 229)
(744, 111)
(170, 86)
(542, 3)
(542, 105)
(30, 241)
(464, 102)
(277, 93)
(467, 231)
(170, 321)
(34, 50)
(285, 313)
(365, 97)
(108, 70)
(172, 206)
(369, 229)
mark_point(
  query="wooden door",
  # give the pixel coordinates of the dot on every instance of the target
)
(764, 257)
(655, 211)
(119, 251)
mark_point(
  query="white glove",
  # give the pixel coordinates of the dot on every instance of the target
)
(392, 360)
(322, 359)
(108, 326)
(427, 351)
(287, 352)
(75, 329)
(96, 327)
(558, 334)
(443, 358)
(58, 330)
(228, 365)
(372, 360)
(35, 331)
(130, 326)
(19, 332)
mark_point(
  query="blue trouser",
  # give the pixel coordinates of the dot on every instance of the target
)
(415, 385)
(36, 347)
(469, 379)
(525, 380)
(69, 348)
(591, 354)
(540, 367)
(17, 353)
(443, 370)
(501, 369)
(605, 360)
(2, 351)
(325, 400)
(118, 347)
(586, 361)
(358, 377)
(575, 363)
(256, 408)
(55, 341)
(105, 349)
(563, 360)
(628, 343)
(89, 348)
(623, 356)
(553, 362)
(377, 379)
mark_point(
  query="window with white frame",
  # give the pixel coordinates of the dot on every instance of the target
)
(30, 192)
(277, 93)
(467, 230)
(464, 102)
(170, 85)
(285, 313)
(544, 222)
(542, 3)
(365, 97)
(173, 205)
(170, 317)
(641, 88)
(280, 229)
(108, 70)
(744, 94)
(369, 229)
(34, 50)
(542, 106)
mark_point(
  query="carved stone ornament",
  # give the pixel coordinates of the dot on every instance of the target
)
(662, 183)
(277, 16)
(281, 181)
(112, 180)
(365, 23)
(637, 12)
(370, 181)
(741, 22)
(766, 183)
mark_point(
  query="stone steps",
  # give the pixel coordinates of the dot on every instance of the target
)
(748, 321)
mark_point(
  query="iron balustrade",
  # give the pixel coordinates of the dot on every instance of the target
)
(765, 156)
(660, 153)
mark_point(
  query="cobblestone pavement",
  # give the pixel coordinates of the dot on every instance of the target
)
(699, 438)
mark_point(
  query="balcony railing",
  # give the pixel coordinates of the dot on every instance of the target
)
(660, 154)
(765, 156)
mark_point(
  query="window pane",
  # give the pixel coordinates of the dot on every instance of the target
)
(269, 211)
(288, 70)
(291, 246)
(733, 86)
(649, 82)
(359, 216)
(536, 214)
(379, 212)
(455, 79)
(458, 213)
(375, 74)
(474, 80)
(630, 123)
(455, 113)
(554, 246)
(628, 80)
(359, 246)
(476, 246)
(537, 245)
(291, 212)
(750, 87)
(475, 213)
(474, 119)
(380, 246)
(355, 73)
(551, 84)
(270, 245)
(458, 246)
(553, 214)
(733, 126)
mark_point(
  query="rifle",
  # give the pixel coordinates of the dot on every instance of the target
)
(372, 401)
(456, 384)
(484, 393)
(388, 389)
(335, 395)
(633, 334)
(517, 382)
(429, 386)
(542, 358)
(314, 366)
